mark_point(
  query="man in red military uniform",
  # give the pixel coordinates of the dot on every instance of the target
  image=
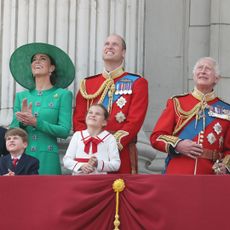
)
(125, 95)
(194, 128)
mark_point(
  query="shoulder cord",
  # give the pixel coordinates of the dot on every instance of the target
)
(185, 116)
(107, 86)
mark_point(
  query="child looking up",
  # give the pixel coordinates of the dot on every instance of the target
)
(93, 150)
(17, 162)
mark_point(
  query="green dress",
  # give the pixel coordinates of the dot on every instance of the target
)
(53, 110)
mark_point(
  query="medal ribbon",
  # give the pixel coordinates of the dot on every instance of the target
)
(132, 78)
(189, 132)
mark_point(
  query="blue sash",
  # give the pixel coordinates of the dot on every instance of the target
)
(189, 132)
(131, 78)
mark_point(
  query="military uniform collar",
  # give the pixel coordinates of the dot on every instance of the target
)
(113, 74)
(203, 97)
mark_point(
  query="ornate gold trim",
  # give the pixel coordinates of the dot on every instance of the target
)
(118, 135)
(184, 116)
(107, 87)
(203, 97)
(113, 74)
(168, 139)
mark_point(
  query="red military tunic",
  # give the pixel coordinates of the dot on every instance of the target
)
(126, 97)
(204, 119)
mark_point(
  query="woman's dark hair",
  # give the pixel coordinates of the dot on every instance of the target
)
(53, 74)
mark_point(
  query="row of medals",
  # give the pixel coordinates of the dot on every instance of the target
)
(123, 88)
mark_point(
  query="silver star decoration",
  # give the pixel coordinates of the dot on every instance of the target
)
(121, 102)
(211, 138)
(221, 141)
(120, 117)
(218, 128)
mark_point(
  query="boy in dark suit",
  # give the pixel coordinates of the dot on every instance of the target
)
(17, 162)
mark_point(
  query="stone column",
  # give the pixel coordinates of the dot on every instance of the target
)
(220, 43)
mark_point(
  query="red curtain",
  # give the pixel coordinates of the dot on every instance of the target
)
(151, 202)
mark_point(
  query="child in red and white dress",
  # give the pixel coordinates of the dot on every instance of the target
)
(94, 150)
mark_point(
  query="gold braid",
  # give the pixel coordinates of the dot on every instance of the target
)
(106, 87)
(97, 93)
(185, 117)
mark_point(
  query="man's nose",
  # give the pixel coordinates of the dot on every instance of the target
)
(109, 45)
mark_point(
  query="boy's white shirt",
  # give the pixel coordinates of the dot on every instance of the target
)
(17, 156)
(107, 153)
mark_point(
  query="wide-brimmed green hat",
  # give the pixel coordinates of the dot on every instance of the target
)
(20, 64)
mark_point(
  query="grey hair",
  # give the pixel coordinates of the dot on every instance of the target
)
(215, 65)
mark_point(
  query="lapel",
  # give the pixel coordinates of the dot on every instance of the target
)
(9, 164)
(20, 166)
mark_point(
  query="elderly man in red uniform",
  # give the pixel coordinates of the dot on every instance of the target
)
(125, 95)
(194, 128)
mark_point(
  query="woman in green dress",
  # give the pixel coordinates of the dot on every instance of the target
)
(44, 110)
